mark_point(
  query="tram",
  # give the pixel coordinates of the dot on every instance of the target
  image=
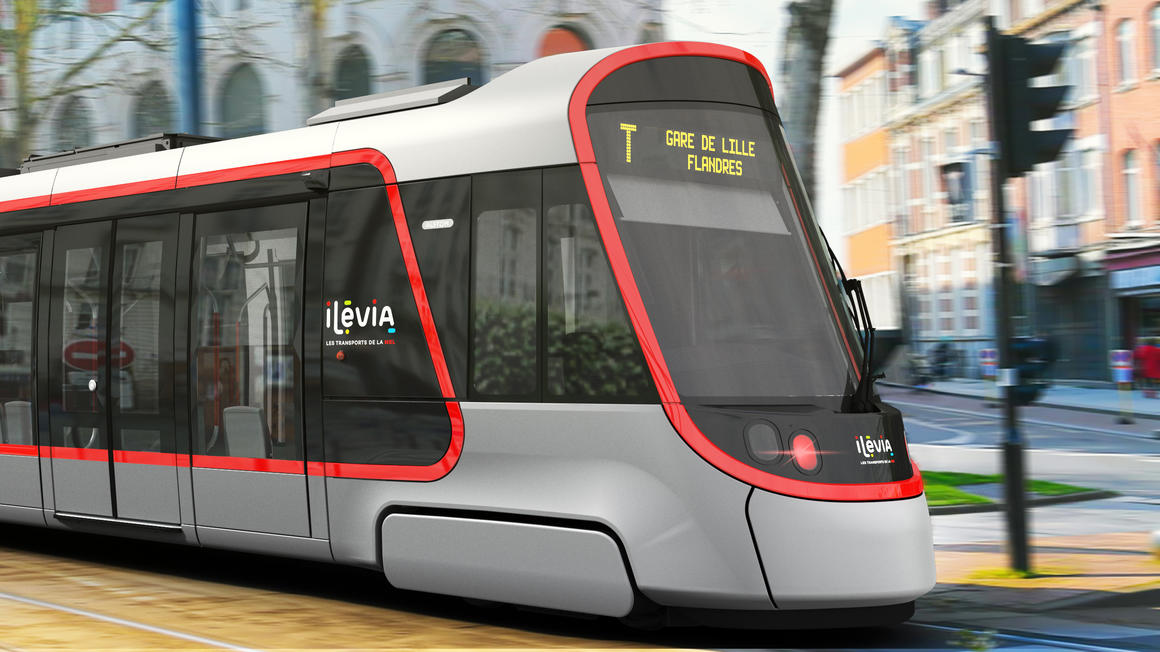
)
(570, 340)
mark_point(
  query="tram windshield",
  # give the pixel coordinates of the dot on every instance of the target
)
(719, 251)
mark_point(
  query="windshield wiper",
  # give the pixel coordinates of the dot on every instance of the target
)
(861, 400)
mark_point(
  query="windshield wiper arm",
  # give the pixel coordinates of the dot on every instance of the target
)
(862, 398)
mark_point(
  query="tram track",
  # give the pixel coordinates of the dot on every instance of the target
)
(167, 633)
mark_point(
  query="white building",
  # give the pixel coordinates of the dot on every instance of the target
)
(254, 54)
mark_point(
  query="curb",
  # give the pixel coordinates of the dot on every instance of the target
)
(1058, 406)
(1043, 501)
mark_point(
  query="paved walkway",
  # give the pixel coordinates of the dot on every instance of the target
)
(1061, 396)
(1101, 588)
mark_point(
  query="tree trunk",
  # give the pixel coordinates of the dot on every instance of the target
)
(803, 53)
(317, 96)
(27, 15)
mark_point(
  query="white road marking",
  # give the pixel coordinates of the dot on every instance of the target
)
(1037, 422)
(126, 623)
(960, 436)
(1029, 639)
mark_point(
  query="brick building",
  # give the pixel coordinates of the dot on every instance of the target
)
(1086, 235)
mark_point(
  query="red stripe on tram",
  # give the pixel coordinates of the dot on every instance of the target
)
(23, 450)
(248, 464)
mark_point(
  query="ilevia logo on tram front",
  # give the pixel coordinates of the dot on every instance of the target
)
(342, 315)
(874, 451)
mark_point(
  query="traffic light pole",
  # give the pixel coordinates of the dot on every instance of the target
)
(1013, 485)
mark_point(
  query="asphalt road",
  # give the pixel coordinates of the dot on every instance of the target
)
(951, 420)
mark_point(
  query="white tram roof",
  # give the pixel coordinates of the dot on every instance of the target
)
(517, 120)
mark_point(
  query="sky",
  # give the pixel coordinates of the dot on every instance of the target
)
(757, 25)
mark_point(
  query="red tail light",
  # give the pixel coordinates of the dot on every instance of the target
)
(804, 449)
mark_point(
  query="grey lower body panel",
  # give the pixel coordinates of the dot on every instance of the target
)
(22, 515)
(146, 492)
(20, 481)
(519, 563)
(681, 522)
(82, 486)
(819, 554)
(266, 544)
(252, 501)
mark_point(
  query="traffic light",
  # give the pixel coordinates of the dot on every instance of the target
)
(1012, 64)
(1032, 359)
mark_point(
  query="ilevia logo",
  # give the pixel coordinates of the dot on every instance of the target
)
(341, 316)
(874, 451)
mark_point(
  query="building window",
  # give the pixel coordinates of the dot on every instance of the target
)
(453, 54)
(1131, 189)
(1154, 22)
(352, 76)
(561, 39)
(1093, 187)
(153, 111)
(243, 105)
(74, 128)
(1125, 50)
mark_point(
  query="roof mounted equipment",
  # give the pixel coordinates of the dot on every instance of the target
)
(392, 101)
(143, 145)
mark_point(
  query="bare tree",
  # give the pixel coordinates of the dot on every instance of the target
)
(32, 100)
(803, 53)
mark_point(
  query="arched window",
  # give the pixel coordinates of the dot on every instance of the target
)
(352, 75)
(1131, 175)
(560, 39)
(153, 111)
(74, 128)
(453, 54)
(651, 33)
(243, 106)
(1125, 51)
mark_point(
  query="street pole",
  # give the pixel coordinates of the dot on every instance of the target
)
(1013, 487)
(188, 66)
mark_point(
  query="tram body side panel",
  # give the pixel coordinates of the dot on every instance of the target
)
(681, 522)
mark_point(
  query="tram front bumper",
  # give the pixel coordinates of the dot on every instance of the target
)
(821, 555)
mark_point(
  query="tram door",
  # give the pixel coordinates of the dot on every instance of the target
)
(111, 370)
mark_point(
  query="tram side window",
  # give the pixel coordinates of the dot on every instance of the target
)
(506, 210)
(439, 216)
(592, 350)
(18, 260)
(246, 320)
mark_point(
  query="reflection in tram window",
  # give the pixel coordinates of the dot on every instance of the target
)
(17, 307)
(592, 351)
(83, 331)
(506, 208)
(136, 359)
(244, 329)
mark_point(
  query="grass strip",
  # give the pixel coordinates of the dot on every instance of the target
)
(956, 479)
(940, 495)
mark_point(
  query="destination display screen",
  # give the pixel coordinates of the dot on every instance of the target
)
(718, 251)
(728, 155)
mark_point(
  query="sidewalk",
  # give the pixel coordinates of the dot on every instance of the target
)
(1088, 399)
(1101, 588)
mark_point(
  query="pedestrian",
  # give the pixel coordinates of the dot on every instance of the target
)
(1141, 357)
(1152, 366)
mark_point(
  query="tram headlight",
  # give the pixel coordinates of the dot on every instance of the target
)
(803, 447)
(763, 441)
